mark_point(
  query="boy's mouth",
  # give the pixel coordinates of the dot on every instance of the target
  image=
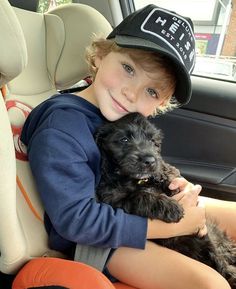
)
(118, 106)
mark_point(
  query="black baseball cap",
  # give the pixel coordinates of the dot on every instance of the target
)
(166, 32)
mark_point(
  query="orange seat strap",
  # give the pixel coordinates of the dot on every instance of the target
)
(19, 184)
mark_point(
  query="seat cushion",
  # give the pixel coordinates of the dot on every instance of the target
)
(47, 272)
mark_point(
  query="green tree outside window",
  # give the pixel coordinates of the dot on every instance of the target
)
(45, 5)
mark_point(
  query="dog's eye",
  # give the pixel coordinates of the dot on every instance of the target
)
(124, 139)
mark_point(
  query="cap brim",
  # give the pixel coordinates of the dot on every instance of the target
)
(183, 89)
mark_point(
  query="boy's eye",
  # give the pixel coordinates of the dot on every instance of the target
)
(128, 68)
(152, 92)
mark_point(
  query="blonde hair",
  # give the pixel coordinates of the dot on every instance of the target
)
(150, 61)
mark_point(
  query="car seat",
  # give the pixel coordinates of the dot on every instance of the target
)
(40, 55)
(13, 60)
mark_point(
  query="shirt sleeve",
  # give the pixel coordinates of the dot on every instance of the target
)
(66, 184)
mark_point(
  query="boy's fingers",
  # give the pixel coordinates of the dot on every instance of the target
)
(189, 196)
(178, 183)
(183, 185)
(202, 231)
(179, 196)
(201, 203)
(196, 189)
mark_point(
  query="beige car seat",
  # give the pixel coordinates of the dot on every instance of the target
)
(55, 46)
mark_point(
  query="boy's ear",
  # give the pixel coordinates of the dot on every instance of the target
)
(97, 61)
(164, 103)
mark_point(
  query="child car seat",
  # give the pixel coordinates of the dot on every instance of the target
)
(50, 49)
(13, 59)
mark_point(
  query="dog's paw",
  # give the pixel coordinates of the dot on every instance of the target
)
(173, 213)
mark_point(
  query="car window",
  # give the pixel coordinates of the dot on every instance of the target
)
(45, 5)
(214, 27)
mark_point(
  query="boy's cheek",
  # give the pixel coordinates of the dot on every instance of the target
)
(113, 79)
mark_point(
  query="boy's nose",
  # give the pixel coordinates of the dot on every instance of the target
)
(130, 93)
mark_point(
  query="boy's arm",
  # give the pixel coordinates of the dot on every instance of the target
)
(66, 184)
(193, 221)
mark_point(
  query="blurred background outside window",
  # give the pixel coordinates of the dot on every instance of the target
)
(214, 28)
(215, 32)
(45, 5)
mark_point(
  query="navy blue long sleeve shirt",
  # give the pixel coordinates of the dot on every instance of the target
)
(65, 162)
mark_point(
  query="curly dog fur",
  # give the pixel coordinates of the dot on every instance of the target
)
(136, 178)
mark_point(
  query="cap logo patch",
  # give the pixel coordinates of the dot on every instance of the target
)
(175, 32)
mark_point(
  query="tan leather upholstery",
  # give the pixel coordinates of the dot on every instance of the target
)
(55, 45)
(13, 59)
(13, 55)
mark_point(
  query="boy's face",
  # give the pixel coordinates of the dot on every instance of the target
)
(121, 87)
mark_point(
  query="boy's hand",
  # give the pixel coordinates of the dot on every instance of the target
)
(188, 195)
(193, 222)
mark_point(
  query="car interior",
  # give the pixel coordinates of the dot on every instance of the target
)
(43, 54)
(203, 146)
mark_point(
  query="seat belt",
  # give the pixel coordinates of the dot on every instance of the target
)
(92, 256)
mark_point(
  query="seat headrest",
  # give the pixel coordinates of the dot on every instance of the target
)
(80, 22)
(13, 52)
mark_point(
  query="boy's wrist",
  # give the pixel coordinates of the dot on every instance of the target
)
(160, 229)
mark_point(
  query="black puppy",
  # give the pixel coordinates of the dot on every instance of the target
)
(135, 178)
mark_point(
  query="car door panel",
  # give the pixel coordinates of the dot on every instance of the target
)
(213, 97)
(199, 138)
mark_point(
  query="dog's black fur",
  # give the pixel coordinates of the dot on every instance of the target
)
(135, 178)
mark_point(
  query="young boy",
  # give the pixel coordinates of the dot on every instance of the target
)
(144, 65)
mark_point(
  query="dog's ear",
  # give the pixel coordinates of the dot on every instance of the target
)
(101, 134)
(157, 139)
(133, 117)
(155, 134)
(137, 118)
(158, 134)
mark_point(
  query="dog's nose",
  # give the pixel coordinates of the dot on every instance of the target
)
(149, 160)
